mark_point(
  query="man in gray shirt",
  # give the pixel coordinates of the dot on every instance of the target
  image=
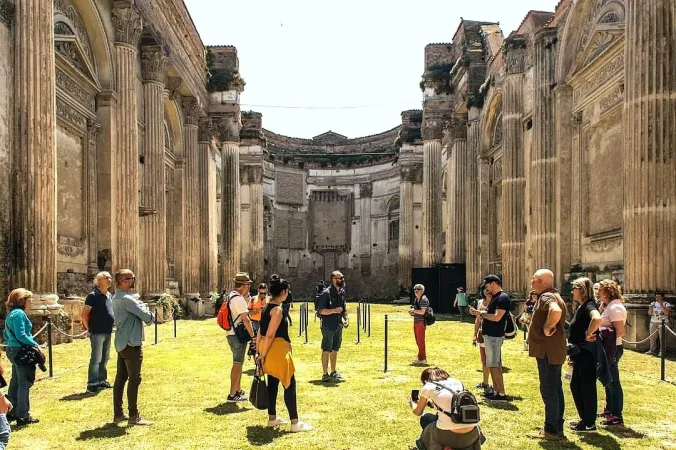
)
(129, 317)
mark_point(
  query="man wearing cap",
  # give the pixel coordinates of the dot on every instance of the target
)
(493, 328)
(332, 310)
(461, 302)
(239, 313)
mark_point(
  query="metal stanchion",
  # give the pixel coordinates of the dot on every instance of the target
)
(663, 348)
(358, 322)
(385, 343)
(155, 326)
(363, 320)
(300, 321)
(306, 320)
(368, 306)
(174, 323)
(49, 346)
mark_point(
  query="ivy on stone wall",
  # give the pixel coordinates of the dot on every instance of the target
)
(475, 101)
(438, 76)
(222, 79)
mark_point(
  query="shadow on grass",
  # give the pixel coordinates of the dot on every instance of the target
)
(332, 383)
(109, 430)
(78, 396)
(250, 372)
(625, 433)
(556, 445)
(504, 370)
(504, 406)
(225, 408)
(259, 435)
(601, 441)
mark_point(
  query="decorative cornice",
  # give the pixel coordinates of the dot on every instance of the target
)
(173, 88)
(6, 12)
(515, 52)
(191, 110)
(152, 63)
(127, 22)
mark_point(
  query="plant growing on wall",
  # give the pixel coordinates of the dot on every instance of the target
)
(438, 76)
(169, 305)
(222, 79)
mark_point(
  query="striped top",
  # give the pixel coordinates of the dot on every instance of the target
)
(420, 304)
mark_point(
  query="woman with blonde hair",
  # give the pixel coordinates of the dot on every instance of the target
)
(614, 317)
(583, 330)
(17, 334)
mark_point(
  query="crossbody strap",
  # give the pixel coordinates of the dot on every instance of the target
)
(449, 390)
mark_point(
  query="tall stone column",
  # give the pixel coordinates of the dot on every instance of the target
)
(544, 163)
(229, 128)
(406, 226)
(207, 192)
(455, 194)
(434, 117)
(365, 197)
(34, 183)
(128, 27)
(472, 245)
(513, 175)
(153, 199)
(256, 210)
(649, 149)
(191, 209)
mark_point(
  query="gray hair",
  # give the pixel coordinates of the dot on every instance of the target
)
(419, 286)
(100, 275)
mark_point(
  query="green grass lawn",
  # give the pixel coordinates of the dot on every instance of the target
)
(185, 383)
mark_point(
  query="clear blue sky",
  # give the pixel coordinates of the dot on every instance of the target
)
(303, 53)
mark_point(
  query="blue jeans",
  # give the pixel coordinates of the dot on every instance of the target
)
(4, 432)
(98, 360)
(614, 393)
(551, 390)
(20, 384)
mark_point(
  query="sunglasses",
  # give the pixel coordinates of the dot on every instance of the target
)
(130, 278)
(418, 289)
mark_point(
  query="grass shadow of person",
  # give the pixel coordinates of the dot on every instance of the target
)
(601, 441)
(77, 396)
(625, 432)
(504, 406)
(225, 408)
(332, 383)
(560, 445)
(109, 430)
(251, 372)
(260, 435)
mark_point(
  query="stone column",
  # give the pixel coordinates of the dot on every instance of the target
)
(455, 194)
(207, 184)
(406, 226)
(543, 163)
(432, 130)
(230, 200)
(513, 175)
(153, 199)
(365, 196)
(472, 246)
(34, 181)
(256, 211)
(191, 199)
(563, 113)
(128, 26)
(649, 151)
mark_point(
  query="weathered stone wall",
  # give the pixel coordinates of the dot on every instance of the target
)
(6, 136)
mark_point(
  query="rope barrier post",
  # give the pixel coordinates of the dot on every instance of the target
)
(663, 349)
(363, 321)
(300, 321)
(174, 324)
(155, 326)
(358, 322)
(369, 317)
(385, 343)
(49, 346)
(305, 315)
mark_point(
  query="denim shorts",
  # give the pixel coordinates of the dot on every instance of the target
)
(238, 349)
(493, 350)
(332, 339)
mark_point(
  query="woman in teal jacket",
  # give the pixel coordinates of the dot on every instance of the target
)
(17, 333)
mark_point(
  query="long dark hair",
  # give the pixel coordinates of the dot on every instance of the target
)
(276, 286)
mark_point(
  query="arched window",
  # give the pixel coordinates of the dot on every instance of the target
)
(393, 224)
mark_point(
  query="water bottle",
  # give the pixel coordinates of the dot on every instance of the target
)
(569, 373)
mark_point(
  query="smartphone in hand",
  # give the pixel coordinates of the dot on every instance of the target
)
(415, 395)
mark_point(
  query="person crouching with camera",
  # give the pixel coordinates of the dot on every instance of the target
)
(19, 344)
(456, 422)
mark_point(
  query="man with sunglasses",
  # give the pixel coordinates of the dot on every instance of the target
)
(130, 315)
(333, 313)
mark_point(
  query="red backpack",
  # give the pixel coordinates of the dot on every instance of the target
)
(223, 318)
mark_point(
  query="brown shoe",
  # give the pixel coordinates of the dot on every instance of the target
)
(138, 420)
(543, 435)
(120, 418)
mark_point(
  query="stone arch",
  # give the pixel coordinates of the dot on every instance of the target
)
(491, 129)
(584, 19)
(174, 125)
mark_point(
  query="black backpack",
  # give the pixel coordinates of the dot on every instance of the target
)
(429, 316)
(510, 326)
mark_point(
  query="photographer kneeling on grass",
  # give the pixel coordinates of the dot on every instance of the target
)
(456, 423)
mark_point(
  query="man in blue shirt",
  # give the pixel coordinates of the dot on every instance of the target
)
(130, 314)
(98, 319)
(332, 310)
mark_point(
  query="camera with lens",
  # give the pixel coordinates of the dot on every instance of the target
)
(464, 407)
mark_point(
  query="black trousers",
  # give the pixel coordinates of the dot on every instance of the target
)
(583, 387)
(129, 363)
(289, 397)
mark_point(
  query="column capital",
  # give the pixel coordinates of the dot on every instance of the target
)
(173, 88)
(547, 37)
(227, 127)
(434, 121)
(6, 12)
(191, 110)
(206, 129)
(411, 173)
(516, 54)
(127, 22)
(153, 59)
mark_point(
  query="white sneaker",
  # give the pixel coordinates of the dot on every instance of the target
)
(423, 362)
(299, 427)
(277, 422)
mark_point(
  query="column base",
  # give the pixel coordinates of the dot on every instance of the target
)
(72, 306)
(44, 306)
(638, 320)
(195, 304)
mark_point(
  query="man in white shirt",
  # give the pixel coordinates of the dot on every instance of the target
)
(239, 313)
(658, 310)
